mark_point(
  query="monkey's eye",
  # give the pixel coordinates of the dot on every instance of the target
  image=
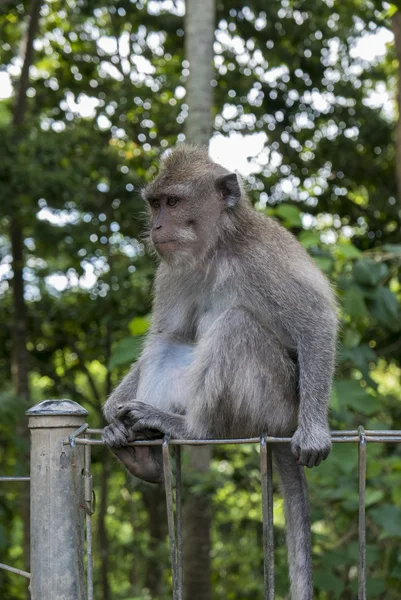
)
(155, 203)
(172, 200)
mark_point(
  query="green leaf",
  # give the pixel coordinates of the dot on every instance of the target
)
(329, 582)
(354, 302)
(388, 517)
(126, 351)
(345, 461)
(309, 238)
(361, 356)
(323, 263)
(347, 251)
(375, 587)
(396, 572)
(373, 496)
(350, 393)
(369, 272)
(290, 214)
(385, 307)
(139, 325)
(352, 338)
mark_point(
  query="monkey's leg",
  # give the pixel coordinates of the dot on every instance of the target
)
(297, 519)
(144, 462)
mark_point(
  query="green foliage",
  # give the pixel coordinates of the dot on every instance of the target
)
(368, 272)
(126, 351)
(289, 214)
(73, 182)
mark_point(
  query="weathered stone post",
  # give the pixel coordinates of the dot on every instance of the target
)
(57, 532)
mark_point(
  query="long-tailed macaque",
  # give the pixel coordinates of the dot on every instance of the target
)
(242, 339)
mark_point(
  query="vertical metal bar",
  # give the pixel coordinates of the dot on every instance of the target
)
(88, 519)
(362, 520)
(266, 471)
(178, 503)
(170, 516)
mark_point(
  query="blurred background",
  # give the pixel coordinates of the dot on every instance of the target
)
(299, 96)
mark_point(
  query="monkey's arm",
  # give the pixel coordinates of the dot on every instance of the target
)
(316, 339)
(124, 392)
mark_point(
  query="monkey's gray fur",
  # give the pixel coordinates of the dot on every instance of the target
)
(242, 339)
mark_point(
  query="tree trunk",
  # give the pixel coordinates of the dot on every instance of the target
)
(199, 38)
(197, 532)
(20, 357)
(154, 499)
(27, 54)
(396, 26)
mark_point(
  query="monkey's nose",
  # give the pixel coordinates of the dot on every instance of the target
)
(157, 227)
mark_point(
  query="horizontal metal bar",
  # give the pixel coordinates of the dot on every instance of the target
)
(383, 432)
(211, 442)
(270, 440)
(386, 440)
(345, 432)
(16, 571)
(15, 479)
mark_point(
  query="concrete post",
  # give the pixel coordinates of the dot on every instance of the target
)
(57, 532)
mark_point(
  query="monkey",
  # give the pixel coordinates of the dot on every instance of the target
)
(242, 338)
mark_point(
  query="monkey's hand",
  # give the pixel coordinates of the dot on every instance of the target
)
(116, 435)
(311, 445)
(137, 415)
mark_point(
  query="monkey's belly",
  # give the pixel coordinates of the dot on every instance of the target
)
(162, 380)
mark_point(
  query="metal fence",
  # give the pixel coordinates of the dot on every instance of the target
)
(62, 498)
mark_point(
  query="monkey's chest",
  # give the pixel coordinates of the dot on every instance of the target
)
(164, 366)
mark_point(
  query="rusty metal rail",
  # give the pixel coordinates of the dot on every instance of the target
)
(359, 436)
(83, 435)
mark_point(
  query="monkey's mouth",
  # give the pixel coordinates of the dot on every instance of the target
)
(165, 246)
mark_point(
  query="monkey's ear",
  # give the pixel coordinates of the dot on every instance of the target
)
(229, 188)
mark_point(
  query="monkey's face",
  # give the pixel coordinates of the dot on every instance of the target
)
(186, 202)
(178, 223)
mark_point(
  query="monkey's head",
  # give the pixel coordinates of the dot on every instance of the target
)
(191, 203)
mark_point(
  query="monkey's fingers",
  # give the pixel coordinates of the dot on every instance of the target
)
(307, 458)
(115, 435)
(319, 459)
(132, 412)
(313, 458)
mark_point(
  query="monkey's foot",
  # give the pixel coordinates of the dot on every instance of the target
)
(311, 445)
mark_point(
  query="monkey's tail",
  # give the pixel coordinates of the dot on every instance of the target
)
(296, 505)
